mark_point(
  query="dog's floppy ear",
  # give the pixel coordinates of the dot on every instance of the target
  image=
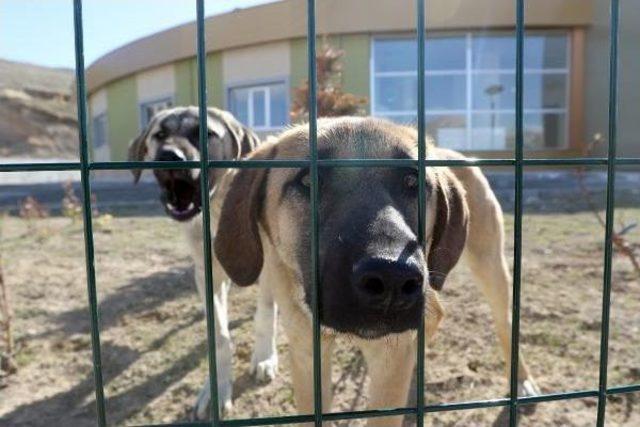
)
(237, 243)
(449, 230)
(224, 123)
(215, 126)
(138, 149)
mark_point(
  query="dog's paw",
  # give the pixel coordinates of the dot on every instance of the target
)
(528, 388)
(265, 370)
(202, 408)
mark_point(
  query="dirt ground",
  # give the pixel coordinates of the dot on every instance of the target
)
(154, 337)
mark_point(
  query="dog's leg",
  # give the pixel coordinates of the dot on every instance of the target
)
(495, 280)
(224, 346)
(485, 257)
(264, 361)
(390, 362)
(300, 338)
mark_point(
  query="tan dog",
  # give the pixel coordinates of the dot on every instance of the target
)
(374, 276)
(173, 135)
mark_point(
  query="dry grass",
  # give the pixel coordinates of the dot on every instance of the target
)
(153, 330)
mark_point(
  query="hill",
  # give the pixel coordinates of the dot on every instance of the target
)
(37, 107)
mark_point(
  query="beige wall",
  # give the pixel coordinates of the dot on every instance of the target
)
(256, 63)
(156, 84)
(286, 20)
(597, 78)
(98, 103)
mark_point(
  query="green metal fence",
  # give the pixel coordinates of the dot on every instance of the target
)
(85, 166)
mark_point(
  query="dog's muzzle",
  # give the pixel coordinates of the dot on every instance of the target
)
(386, 285)
(180, 189)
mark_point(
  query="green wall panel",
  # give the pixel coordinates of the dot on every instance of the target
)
(186, 93)
(215, 84)
(298, 60)
(355, 62)
(186, 73)
(355, 65)
(123, 115)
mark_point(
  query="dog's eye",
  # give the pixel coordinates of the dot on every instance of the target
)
(160, 135)
(410, 181)
(305, 180)
(302, 181)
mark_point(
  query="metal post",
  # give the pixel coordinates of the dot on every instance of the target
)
(517, 227)
(611, 193)
(313, 148)
(85, 176)
(206, 218)
(420, 27)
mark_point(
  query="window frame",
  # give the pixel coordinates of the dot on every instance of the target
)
(100, 117)
(142, 105)
(567, 113)
(258, 85)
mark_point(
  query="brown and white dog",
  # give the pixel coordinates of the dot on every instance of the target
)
(173, 135)
(376, 280)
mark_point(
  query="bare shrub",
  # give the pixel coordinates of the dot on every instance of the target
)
(332, 99)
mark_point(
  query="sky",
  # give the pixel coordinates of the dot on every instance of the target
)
(41, 31)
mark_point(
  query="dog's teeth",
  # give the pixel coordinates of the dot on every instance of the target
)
(191, 206)
(173, 208)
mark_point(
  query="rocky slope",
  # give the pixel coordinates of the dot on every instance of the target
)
(37, 112)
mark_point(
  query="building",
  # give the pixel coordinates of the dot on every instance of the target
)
(256, 56)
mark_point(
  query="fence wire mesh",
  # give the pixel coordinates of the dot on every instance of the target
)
(85, 166)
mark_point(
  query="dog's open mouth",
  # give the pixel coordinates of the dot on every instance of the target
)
(181, 198)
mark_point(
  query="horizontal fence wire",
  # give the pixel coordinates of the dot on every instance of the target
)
(85, 166)
(433, 408)
(322, 163)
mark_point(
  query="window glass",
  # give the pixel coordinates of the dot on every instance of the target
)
(99, 131)
(545, 90)
(260, 107)
(493, 52)
(493, 131)
(445, 53)
(548, 51)
(470, 81)
(258, 100)
(493, 91)
(544, 130)
(396, 93)
(239, 104)
(446, 92)
(450, 130)
(278, 102)
(149, 109)
(395, 55)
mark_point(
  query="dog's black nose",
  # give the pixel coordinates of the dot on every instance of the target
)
(169, 156)
(388, 284)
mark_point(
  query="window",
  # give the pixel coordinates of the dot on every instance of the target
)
(149, 109)
(99, 127)
(470, 88)
(262, 107)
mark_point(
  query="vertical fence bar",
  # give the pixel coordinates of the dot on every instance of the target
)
(420, 29)
(313, 142)
(517, 227)
(608, 246)
(85, 176)
(206, 219)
